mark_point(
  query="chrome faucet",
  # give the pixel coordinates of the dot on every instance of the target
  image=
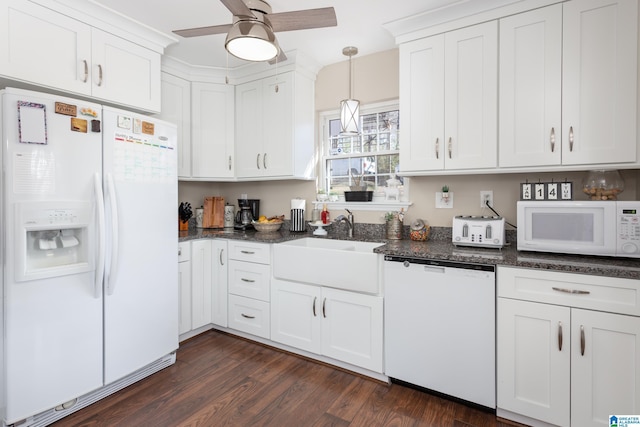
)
(348, 219)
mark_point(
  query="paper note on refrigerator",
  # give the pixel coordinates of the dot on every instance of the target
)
(32, 123)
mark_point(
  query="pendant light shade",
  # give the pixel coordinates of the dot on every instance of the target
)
(350, 108)
(350, 117)
(251, 40)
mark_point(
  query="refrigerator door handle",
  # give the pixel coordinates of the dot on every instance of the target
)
(101, 236)
(113, 267)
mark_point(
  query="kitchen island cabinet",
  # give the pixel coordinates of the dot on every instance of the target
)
(50, 49)
(448, 99)
(345, 326)
(567, 347)
(568, 78)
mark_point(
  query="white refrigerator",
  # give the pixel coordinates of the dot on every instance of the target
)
(89, 249)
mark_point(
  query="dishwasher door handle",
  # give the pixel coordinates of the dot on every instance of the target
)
(434, 269)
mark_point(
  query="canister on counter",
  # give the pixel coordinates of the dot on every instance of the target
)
(297, 215)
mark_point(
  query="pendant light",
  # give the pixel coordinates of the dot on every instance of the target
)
(350, 108)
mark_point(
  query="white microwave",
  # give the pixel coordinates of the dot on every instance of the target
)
(607, 228)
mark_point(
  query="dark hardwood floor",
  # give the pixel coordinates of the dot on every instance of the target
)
(222, 380)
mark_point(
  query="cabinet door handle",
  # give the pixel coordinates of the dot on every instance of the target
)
(220, 257)
(258, 161)
(582, 343)
(559, 336)
(247, 252)
(570, 138)
(449, 145)
(179, 251)
(552, 139)
(571, 291)
(437, 148)
(324, 303)
(229, 162)
(99, 75)
(86, 71)
(247, 316)
(247, 280)
(314, 306)
(264, 160)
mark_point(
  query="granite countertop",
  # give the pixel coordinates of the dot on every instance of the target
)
(439, 247)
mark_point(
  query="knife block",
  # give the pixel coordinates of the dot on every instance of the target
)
(213, 216)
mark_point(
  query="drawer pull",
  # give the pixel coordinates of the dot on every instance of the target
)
(314, 306)
(247, 280)
(571, 291)
(559, 336)
(247, 252)
(247, 316)
(582, 343)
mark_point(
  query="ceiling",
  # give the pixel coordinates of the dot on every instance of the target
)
(359, 24)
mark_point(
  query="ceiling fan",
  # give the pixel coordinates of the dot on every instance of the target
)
(251, 35)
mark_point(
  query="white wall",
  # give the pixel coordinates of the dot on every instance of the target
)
(375, 78)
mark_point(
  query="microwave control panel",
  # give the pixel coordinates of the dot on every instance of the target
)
(628, 227)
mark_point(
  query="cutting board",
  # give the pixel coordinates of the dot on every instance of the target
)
(213, 216)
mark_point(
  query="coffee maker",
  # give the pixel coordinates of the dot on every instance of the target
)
(248, 210)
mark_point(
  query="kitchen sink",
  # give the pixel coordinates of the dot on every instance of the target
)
(342, 264)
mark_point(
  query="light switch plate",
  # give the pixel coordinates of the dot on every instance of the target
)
(444, 202)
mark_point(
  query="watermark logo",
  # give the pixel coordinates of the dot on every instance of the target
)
(624, 420)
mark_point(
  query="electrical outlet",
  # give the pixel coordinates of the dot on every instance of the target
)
(486, 197)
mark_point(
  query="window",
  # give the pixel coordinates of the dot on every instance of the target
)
(370, 158)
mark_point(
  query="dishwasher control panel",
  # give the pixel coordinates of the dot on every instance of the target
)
(479, 231)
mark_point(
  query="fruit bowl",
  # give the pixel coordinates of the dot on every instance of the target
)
(267, 227)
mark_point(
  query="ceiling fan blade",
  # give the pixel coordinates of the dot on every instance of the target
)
(203, 31)
(238, 8)
(278, 59)
(302, 19)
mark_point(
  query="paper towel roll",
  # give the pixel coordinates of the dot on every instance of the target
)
(298, 204)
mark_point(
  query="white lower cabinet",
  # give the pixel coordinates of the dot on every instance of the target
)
(345, 326)
(184, 286)
(562, 358)
(203, 285)
(249, 284)
(201, 275)
(219, 283)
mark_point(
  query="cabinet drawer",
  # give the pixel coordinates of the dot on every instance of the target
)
(611, 294)
(249, 315)
(252, 252)
(184, 251)
(249, 280)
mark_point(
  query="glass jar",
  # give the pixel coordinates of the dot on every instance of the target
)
(603, 185)
(419, 231)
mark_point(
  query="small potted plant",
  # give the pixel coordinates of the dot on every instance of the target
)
(445, 193)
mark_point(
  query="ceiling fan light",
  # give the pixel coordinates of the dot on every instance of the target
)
(251, 40)
(349, 117)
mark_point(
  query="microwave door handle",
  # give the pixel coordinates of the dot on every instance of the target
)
(101, 236)
(113, 267)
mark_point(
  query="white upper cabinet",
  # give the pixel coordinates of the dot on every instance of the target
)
(530, 88)
(599, 81)
(212, 130)
(124, 72)
(274, 127)
(448, 90)
(568, 79)
(176, 108)
(42, 47)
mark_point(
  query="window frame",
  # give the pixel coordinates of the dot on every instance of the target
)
(324, 149)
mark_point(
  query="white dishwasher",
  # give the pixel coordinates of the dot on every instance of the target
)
(440, 326)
